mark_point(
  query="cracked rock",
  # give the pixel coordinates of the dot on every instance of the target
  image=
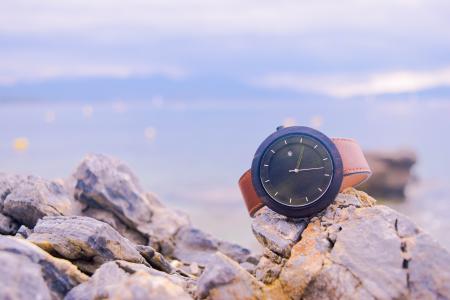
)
(195, 246)
(105, 184)
(86, 241)
(28, 272)
(354, 249)
(27, 199)
(123, 280)
(225, 279)
(276, 232)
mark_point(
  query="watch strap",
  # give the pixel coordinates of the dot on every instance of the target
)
(355, 171)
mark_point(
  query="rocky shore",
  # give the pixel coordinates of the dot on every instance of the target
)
(99, 235)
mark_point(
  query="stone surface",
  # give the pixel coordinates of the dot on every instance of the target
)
(122, 280)
(86, 241)
(195, 246)
(225, 279)
(276, 232)
(8, 225)
(28, 198)
(155, 259)
(136, 248)
(391, 173)
(28, 272)
(103, 183)
(354, 249)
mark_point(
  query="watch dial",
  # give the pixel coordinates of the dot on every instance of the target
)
(296, 170)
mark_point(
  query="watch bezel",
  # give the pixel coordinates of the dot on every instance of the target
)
(309, 209)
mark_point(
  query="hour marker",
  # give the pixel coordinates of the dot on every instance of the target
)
(266, 165)
(290, 200)
(326, 174)
(285, 142)
(306, 199)
(301, 140)
(267, 180)
(319, 189)
(325, 158)
(276, 193)
(315, 146)
(272, 151)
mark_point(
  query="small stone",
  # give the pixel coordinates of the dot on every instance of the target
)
(7, 225)
(155, 259)
(194, 268)
(225, 279)
(83, 239)
(23, 232)
(277, 232)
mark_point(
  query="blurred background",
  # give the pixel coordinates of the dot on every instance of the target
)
(184, 92)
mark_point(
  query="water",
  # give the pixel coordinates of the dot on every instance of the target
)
(191, 153)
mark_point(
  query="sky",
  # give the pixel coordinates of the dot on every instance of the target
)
(184, 91)
(339, 49)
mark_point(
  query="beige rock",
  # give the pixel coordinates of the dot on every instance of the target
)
(86, 241)
(28, 272)
(223, 278)
(123, 280)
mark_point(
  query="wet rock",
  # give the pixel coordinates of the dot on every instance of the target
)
(86, 241)
(391, 173)
(195, 246)
(276, 232)
(28, 198)
(225, 279)
(106, 183)
(28, 272)
(7, 225)
(123, 280)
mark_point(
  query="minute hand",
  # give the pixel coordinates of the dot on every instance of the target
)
(308, 169)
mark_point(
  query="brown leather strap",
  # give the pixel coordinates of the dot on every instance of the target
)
(356, 170)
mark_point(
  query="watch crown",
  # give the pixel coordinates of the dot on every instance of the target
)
(280, 127)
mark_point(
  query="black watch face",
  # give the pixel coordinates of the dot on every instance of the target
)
(296, 170)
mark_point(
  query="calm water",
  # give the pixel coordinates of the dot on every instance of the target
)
(191, 153)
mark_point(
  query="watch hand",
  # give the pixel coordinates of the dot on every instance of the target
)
(299, 170)
(307, 169)
(300, 157)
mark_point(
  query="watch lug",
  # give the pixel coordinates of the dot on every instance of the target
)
(280, 127)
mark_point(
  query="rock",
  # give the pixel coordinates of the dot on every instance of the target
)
(195, 246)
(354, 249)
(225, 279)
(28, 272)
(122, 280)
(23, 232)
(111, 219)
(7, 225)
(155, 259)
(28, 198)
(86, 241)
(267, 270)
(391, 173)
(103, 182)
(276, 232)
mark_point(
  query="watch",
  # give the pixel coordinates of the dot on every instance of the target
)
(298, 171)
